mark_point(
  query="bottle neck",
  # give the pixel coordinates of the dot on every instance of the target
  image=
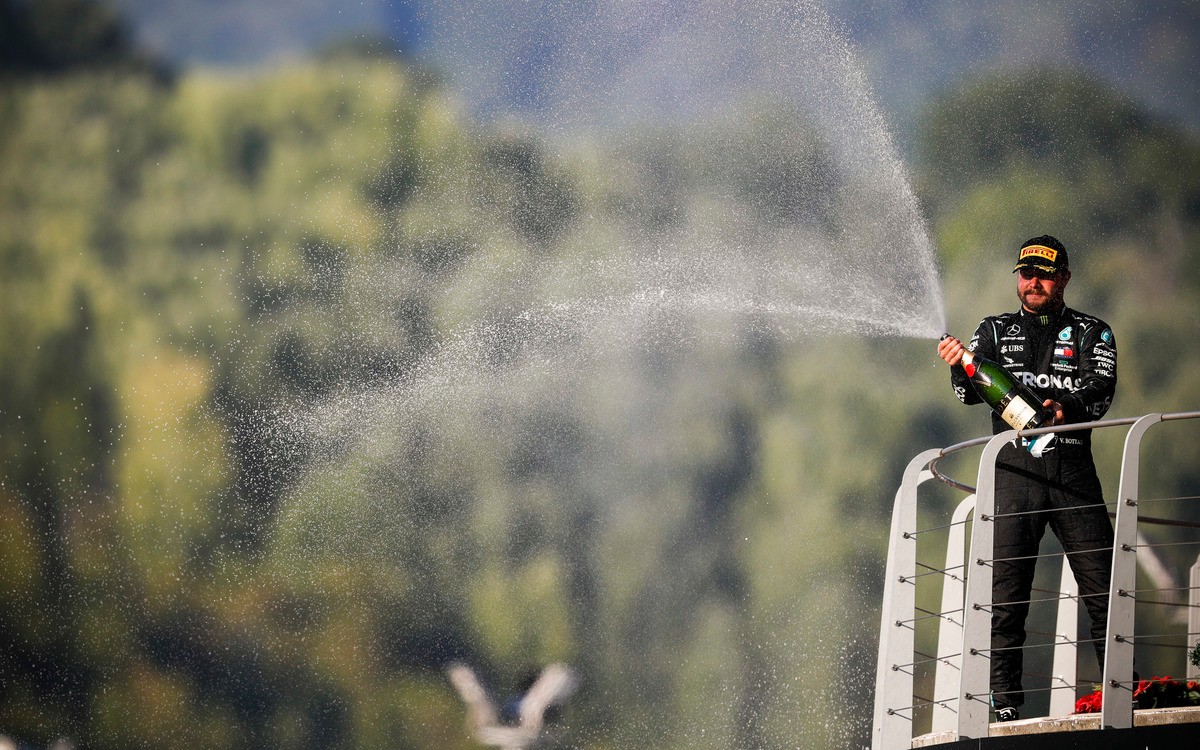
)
(968, 363)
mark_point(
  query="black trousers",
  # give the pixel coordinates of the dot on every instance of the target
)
(1063, 493)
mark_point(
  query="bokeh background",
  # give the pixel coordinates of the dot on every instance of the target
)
(285, 427)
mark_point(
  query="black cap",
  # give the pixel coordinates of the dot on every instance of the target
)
(1044, 253)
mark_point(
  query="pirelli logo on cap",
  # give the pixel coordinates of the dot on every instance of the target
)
(1039, 251)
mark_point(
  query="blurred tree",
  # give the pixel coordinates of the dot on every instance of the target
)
(56, 36)
(1113, 162)
(242, 468)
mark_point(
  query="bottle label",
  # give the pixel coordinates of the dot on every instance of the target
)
(1018, 413)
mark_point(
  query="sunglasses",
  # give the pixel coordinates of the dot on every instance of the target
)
(1036, 273)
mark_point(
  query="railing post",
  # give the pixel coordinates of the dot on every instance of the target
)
(1065, 670)
(894, 685)
(1117, 711)
(1192, 670)
(974, 690)
(950, 630)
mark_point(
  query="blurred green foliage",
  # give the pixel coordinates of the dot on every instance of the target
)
(52, 37)
(186, 265)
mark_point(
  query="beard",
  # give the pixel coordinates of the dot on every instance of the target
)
(1039, 302)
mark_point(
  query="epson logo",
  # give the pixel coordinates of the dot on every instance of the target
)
(1046, 381)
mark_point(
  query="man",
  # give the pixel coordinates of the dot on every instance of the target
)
(1069, 359)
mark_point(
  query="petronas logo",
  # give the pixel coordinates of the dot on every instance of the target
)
(1065, 334)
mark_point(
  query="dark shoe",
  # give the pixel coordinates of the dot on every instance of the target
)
(1008, 713)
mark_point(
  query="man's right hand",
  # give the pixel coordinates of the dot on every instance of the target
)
(951, 350)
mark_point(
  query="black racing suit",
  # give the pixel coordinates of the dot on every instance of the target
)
(1072, 358)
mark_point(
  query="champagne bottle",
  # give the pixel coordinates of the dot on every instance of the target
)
(1010, 398)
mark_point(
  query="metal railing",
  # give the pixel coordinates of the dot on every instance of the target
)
(960, 702)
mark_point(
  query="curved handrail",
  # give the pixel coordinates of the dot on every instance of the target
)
(1077, 427)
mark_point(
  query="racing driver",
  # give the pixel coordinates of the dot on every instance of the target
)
(1069, 359)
